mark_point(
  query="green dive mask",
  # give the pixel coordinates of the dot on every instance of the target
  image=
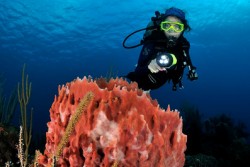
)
(175, 26)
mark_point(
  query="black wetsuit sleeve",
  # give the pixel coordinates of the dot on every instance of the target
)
(145, 57)
(186, 47)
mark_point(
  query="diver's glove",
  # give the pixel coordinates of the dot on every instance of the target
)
(192, 74)
(154, 67)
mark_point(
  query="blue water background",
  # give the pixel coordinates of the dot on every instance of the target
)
(61, 40)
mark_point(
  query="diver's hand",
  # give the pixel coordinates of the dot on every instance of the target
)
(192, 75)
(154, 67)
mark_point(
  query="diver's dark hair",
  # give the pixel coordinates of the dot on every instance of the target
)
(186, 25)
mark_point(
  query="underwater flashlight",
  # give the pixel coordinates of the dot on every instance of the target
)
(165, 60)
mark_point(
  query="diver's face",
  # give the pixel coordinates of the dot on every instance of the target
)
(171, 33)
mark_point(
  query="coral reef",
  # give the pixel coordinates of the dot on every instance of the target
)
(24, 92)
(119, 125)
(7, 107)
(226, 141)
(201, 160)
(192, 126)
(8, 133)
(218, 141)
(8, 142)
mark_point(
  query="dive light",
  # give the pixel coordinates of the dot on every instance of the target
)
(165, 60)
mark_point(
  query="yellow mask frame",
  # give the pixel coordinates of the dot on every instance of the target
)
(169, 25)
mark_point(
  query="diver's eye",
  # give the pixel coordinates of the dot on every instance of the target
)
(177, 26)
(166, 25)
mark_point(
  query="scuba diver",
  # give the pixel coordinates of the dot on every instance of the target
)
(165, 52)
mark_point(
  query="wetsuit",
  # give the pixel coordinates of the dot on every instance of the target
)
(147, 80)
